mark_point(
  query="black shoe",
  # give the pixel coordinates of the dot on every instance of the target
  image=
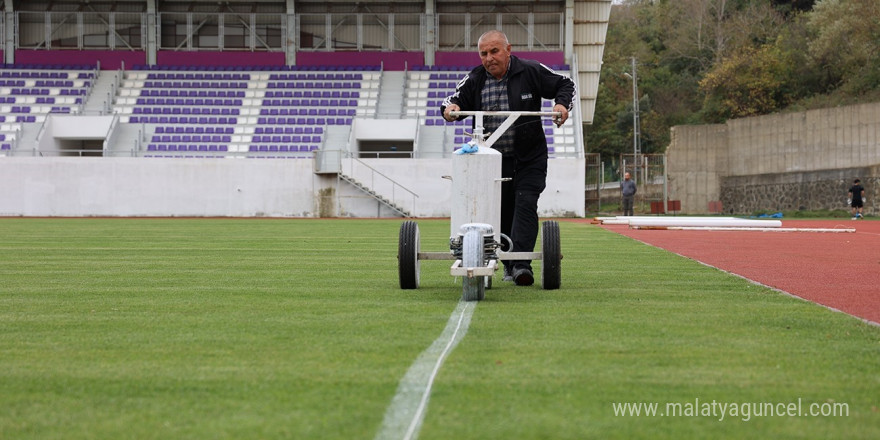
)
(508, 274)
(523, 277)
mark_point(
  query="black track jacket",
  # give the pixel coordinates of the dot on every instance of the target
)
(528, 82)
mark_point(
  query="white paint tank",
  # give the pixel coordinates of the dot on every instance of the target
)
(476, 190)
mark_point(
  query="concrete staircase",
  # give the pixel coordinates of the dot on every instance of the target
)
(337, 137)
(434, 142)
(390, 105)
(100, 100)
(366, 190)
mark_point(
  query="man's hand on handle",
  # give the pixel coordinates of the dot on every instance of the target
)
(451, 108)
(559, 120)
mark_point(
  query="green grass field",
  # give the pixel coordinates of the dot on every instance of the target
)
(271, 329)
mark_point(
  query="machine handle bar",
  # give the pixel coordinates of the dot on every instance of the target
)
(502, 113)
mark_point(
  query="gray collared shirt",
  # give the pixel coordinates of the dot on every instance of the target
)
(494, 97)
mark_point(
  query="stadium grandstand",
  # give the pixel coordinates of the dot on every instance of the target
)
(280, 108)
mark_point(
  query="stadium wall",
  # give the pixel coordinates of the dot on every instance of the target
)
(392, 61)
(108, 59)
(179, 187)
(715, 163)
(470, 59)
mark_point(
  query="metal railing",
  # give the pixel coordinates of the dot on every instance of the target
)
(357, 171)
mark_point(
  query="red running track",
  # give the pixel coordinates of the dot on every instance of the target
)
(835, 269)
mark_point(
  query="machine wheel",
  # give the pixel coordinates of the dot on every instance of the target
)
(551, 256)
(473, 289)
(408, 255)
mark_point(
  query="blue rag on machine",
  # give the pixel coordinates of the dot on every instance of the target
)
(467, 149)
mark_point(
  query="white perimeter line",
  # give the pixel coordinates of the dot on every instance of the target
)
(734, 228)
(405, 414)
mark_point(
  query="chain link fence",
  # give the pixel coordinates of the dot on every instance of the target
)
(649, 173)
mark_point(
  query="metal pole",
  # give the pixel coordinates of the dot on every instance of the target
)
(665, 186)
(636, 128)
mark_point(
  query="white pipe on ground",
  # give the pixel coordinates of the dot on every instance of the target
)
(705, 221)
(710, 228)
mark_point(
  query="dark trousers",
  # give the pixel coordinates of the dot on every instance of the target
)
(519, 204)
(628, 205)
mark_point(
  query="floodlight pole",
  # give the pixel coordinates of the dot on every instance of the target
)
(636, 129)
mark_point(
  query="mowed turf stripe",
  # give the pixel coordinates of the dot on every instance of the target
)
(405, 414)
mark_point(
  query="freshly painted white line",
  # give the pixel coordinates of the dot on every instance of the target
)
(405, 414)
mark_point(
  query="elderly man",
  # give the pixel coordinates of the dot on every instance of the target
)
(504, 82)
(628, 193)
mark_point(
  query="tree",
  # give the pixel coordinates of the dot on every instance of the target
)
(751, 82)
(704, 61)
(847, 42)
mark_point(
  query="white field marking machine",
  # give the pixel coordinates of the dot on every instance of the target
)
(475, 223)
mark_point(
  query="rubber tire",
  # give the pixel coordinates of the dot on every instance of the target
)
(408, 255)
(551, 256)
(473, 289)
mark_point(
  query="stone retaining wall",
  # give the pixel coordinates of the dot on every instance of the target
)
(802, 160)
(812, 191)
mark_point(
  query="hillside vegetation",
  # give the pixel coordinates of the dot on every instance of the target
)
(707, 61)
